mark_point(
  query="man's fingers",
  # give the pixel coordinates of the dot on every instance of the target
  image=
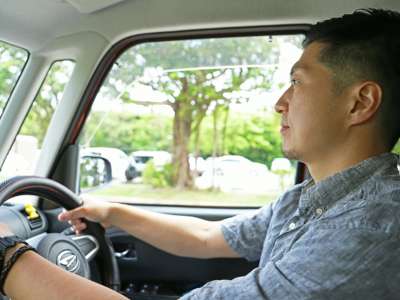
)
(74, 217)
(75, 222)
(74, 214)
(78, 228)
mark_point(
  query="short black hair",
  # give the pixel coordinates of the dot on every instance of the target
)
(365, 45)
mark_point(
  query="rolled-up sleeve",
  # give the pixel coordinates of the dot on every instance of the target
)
(323, 264)
(246, 233)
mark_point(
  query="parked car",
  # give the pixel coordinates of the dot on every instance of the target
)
(234, 173)
(139, 159)
(197, 164)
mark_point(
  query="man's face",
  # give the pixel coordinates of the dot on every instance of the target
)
(312, 113)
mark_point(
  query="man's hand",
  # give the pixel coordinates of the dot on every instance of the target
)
(5, 230)
(91, 210)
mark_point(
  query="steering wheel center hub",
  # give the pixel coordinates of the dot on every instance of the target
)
(65, 253)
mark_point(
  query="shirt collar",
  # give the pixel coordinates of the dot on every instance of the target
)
(327, 191)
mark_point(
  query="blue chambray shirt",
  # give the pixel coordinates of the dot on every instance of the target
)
(337, 239)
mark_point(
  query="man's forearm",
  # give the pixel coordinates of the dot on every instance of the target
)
(179, 235)
(34, 278)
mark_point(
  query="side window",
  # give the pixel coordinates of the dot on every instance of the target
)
(192, 122)
(12, 61)
(22, 157)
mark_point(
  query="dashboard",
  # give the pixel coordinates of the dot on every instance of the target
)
(24, 220)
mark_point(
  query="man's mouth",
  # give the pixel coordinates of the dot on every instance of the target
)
(284, 128)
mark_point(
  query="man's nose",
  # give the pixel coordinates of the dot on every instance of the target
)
(282, 104)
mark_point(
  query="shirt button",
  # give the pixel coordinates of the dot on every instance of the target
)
(292, 226)
(319, 211)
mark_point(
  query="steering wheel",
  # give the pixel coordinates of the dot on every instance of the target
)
(71, 252)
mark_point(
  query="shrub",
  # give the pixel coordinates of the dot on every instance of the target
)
(157, 177)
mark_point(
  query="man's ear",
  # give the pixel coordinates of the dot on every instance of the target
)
(367, 98)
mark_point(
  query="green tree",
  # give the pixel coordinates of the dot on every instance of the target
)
(253, 136)
(397, 148)
(195, 76)
(138, 133)
(12, 61)
(46, 101)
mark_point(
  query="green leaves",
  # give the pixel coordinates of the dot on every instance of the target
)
(128, 132)
(12, 61)
(397, 148)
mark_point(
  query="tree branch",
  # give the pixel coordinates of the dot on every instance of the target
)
(148, 103)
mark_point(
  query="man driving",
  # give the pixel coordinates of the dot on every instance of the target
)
(334, 236)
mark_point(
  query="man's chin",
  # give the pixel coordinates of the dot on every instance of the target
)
(290, 154)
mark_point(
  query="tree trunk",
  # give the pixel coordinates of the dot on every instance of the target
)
(216, 149)
(196, 149)
(225, 126)
(181, 137)
(215, 144)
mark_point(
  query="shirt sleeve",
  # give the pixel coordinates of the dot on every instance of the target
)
(330, 264)
(245, 234)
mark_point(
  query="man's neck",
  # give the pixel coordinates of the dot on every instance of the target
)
(328, 166)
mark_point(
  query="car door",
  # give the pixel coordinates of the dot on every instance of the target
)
(208, 95)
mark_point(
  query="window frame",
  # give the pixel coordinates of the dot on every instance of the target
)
(117, 49)
(31, 104)
(20, 74)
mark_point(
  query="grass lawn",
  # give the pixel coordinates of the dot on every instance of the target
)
(141, 193)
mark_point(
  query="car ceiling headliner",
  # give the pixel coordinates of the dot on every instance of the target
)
(31, 24)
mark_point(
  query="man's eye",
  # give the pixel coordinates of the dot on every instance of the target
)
(294, 81)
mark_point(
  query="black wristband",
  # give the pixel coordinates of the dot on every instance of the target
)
(10, 263)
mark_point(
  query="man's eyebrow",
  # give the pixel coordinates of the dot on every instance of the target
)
(296, 67)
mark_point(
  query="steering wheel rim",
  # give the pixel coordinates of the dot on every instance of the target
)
(54, 191)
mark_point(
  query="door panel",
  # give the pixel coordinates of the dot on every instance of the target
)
(142, 263)
(145, 263)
